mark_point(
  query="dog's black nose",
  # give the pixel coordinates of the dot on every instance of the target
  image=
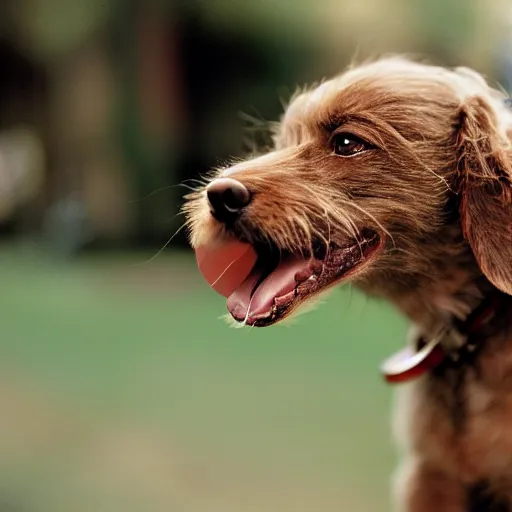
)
(227, 197)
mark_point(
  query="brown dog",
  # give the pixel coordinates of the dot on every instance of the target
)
(397, 176)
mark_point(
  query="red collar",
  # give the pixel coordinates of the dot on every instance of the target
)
(408, 363)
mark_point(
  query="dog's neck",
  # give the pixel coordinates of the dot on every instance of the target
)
(434, 281)
(445, 307)
(441, 301)
(452, 344)
(453, 288)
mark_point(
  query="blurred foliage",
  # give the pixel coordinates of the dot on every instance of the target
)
(165, 83)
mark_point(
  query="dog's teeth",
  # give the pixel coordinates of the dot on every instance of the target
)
(302, 276)
(317, 267)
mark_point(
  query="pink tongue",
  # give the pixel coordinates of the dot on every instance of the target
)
(227, 265)
(280, 282)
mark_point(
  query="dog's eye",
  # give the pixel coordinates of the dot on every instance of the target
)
(346, 144)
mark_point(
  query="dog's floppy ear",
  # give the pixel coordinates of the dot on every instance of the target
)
(485, 189)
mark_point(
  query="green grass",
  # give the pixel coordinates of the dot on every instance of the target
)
(139, 398)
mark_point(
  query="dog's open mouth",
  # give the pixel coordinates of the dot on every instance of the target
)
(278, 283)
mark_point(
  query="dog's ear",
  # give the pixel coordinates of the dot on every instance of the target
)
(485, 189)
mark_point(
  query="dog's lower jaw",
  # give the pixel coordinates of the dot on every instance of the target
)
(429, 280)
(430, 298)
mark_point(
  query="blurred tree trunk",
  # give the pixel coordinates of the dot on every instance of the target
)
(141, 45)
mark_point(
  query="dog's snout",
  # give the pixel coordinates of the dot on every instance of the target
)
(227, 197)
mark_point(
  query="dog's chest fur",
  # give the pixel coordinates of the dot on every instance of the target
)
(459, 419)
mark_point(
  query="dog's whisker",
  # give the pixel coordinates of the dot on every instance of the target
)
(162, 189)
(184, 225)
(225, 270)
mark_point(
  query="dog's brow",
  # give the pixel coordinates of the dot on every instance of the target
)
(333, 121)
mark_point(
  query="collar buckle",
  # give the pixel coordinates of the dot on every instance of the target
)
(450, 344)
(408, 364)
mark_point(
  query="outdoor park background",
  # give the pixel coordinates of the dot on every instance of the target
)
(120, 390)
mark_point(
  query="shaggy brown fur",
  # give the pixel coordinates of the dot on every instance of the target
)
(434, 179)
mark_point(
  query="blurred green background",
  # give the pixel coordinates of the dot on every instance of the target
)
(120, 388)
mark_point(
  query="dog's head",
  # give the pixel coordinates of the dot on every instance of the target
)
(384, 175)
